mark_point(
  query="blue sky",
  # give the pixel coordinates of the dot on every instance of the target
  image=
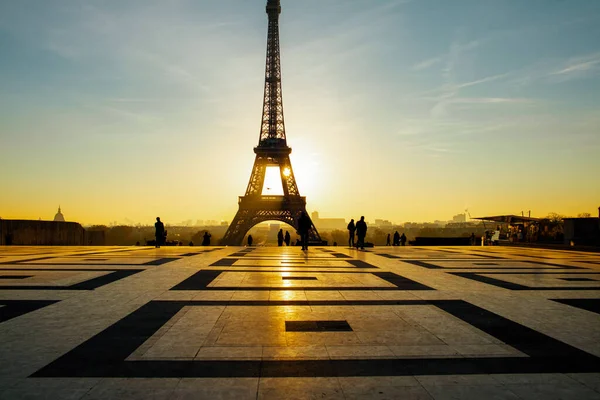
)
(405, 110)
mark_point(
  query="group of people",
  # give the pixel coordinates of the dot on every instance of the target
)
(281, 238)
(399, 240)
(360, 229)
(160, 235)
(304, 224)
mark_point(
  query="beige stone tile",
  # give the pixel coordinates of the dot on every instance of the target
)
(230, 353)
(357, 352)
(295, 352)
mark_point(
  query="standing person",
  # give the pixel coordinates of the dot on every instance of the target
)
(249, 240)
(287, 238)
(396, 239)
(361, 232)
(206, 239)
(280, 238)
(403, 239)
(159, 232)
(387, 242)
(351, 229)
(303, 228)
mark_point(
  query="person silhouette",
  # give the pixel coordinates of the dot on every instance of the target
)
(388, 240)
(361, 232)
(403, 239)
(206, 239)
(287, 238)
(159, 232)
(351, 229)
(303, 228)
(280, 238)
(396, 239)
(249, 240)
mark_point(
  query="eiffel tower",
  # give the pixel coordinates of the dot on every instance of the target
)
(272, 151)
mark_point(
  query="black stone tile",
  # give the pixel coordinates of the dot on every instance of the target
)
(317, 326)
(340, 255)
(15, 308)
(401, 282)
(288, 265)
(224, 262)
(361, 264)
(515, 286)
(299, 278)
(505, 264)
(579, 280)
(26, 261)
(199, 281)
(90, 284)
(592, 305)
(423, 264)
(161, 261)
(104, 354)
(14, 277)
(562, 266)
(526, 340)
(104, 280)
(387, 255)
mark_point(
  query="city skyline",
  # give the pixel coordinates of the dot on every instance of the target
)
(394, 109)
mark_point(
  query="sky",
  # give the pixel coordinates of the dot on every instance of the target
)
(124, 110)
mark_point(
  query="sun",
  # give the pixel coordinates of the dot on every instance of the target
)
(286, 172)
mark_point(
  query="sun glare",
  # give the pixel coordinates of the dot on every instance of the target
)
(272, 185)
(286, 172)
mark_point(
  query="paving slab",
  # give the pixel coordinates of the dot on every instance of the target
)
(279, 322)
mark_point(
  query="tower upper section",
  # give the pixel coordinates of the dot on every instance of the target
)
(272, 131)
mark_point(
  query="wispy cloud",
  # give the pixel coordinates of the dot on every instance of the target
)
(479, 81)
(491, 100)
(579, 66)
(426, 64)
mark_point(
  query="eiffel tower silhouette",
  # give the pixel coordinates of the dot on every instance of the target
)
(272, 151)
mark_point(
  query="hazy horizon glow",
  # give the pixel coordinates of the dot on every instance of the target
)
(395, 109)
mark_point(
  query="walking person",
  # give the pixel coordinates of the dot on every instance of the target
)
(361, 232)
(387, 242)
(250, 240)
(280, 238)
(159, 232)
(303, 228)
(396, 239)
(403, 239)
(287, 238)
(351, 230)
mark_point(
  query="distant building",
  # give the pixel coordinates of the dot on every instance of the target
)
(582, 231)
(59, 217)
(459, 218)
(273, 230)
(383, 223)
(327, 224)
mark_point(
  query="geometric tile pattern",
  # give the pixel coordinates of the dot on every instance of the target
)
(269, 322)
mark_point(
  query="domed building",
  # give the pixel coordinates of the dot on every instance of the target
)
(59, 217)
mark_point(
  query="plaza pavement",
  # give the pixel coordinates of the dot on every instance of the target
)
(280, 323)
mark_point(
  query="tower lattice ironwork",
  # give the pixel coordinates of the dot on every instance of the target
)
(272, 151)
